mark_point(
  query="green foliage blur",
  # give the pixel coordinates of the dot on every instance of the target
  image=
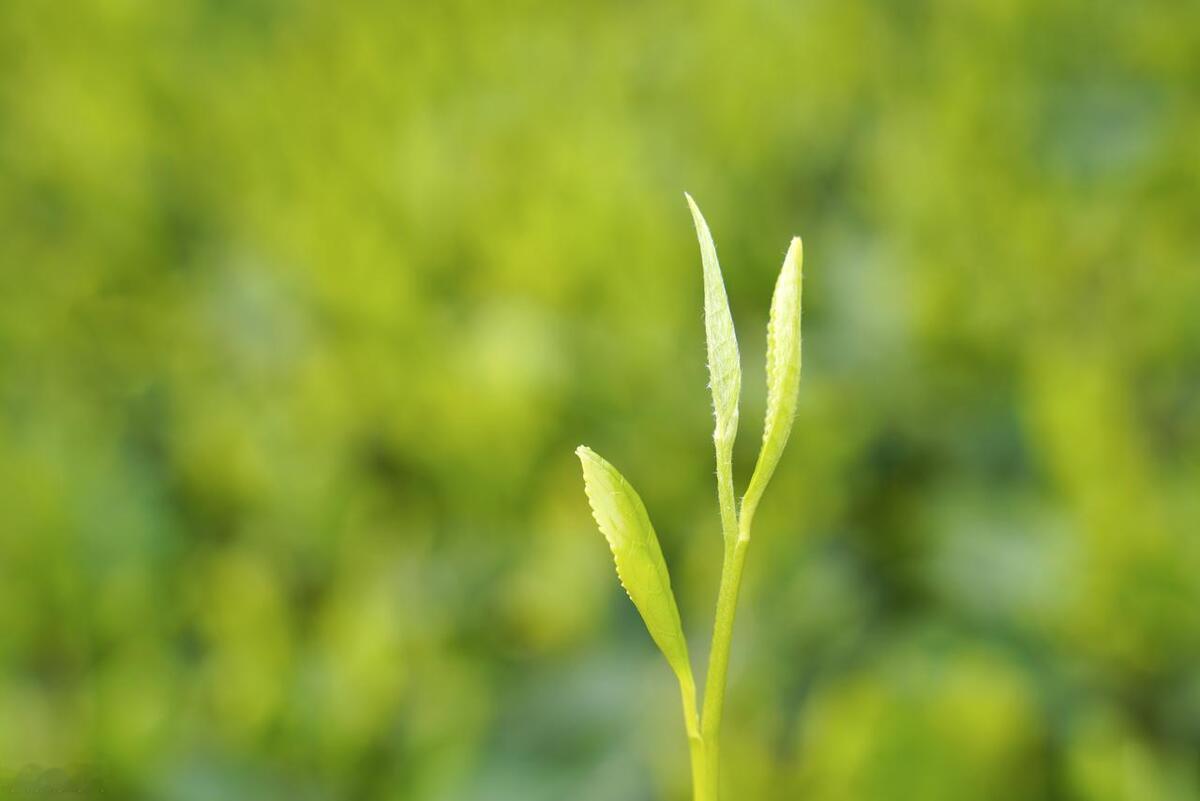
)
(304, 307)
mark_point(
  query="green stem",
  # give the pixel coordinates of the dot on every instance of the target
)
(691, 719)
(718, 660)
(699, 767)
(706, 789)
(729, 522)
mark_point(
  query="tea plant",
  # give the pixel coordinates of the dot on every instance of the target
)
(623, 520)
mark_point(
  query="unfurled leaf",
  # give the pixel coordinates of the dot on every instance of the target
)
(724, 366)
(783, 368)
(623, 521)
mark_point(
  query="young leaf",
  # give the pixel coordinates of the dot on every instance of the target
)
(783, 373)
(724, 366)
(623, 521)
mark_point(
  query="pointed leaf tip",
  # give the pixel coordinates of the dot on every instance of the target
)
(724, 364)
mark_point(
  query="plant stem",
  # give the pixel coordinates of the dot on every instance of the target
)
(729, 522)
(718, 660)
(691, 719)
(706, 788)
(699, 768)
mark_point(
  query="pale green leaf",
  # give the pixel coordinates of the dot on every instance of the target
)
(623, 521)
(783, 370)
(724, 366)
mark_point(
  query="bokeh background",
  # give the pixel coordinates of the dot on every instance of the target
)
(304, 307)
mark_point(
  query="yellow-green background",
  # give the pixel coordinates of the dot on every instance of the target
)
(305, 305)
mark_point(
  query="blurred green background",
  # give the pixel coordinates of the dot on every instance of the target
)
(304, 307)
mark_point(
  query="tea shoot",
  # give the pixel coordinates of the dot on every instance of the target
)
(625, 523)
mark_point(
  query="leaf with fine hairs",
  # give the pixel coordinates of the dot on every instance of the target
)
(783, 370)
(724, 365)
(623, 521)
